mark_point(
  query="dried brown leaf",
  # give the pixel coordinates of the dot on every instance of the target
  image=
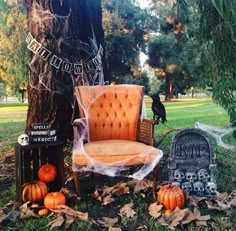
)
(69, 221)
(189, 217)
(107, 200)
(26, 212)
(221, 196)
(218, 205)
(57, 222)
(107, 221)
(194, 201)
(176, 217)
(71, 212)
(139, 185)
(120, 189)
(114, 229)
(95, 194)
(173, 219)
(201, 223)
(154, 210)
(127, 210)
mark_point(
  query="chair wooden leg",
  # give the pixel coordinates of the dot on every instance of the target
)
(154, 184)
(77, 183)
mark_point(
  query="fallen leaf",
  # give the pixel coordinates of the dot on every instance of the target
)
(107, 221)
(108, 199)
(194, 201)
(176, 217)
(26, 211)
(127, 210)
(95, 194)
(58, 222)
(69, 221)
(114, 229)
(139, 185)
(189, 217)
(222, 201)
(201, 223)
(173, 219)
(69, 211)
(154, 210)
(120, 189)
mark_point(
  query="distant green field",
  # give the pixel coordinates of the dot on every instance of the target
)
(12, 124)
(181, 113)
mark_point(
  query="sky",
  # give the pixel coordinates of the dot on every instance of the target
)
(143, 3)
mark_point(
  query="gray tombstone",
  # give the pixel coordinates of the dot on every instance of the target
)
(192, 162)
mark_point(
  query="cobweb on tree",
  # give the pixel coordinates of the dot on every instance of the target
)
(59, 60)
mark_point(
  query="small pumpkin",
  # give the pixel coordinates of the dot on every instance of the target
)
(43, 212)
(171, 196)
(53, 199)
(47, 173)
(34, 191)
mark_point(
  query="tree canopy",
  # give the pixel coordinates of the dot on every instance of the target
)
(14, 56)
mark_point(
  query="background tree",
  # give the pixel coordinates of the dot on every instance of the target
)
(125, 25)
(14, 56)
(216, 36)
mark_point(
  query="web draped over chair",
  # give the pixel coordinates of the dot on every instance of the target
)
(111, 136)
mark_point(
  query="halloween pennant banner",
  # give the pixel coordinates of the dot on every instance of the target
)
(62, 64)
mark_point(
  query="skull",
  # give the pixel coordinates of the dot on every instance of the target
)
(178, 175)
(23, 140)
(176, 183)
(203, 175)
(187, 186)
(210, 188)
(198, 187)
(190, 176)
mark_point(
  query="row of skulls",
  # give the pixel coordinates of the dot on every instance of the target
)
(198, 187)
(191, 176)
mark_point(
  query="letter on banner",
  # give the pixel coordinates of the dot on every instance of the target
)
(34, 46)
(96, 61)
(66, 66)
(56, 61)
(78, 68)
(88, 66)
(44, 53)
(29, 37)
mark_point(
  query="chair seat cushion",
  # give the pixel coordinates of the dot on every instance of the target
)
(115, 153)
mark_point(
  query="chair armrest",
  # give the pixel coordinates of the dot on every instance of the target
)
(80, 131)
(145, 131)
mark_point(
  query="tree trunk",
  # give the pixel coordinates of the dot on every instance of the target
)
(72, 31)
(168, 89)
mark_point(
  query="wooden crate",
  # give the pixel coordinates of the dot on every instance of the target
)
(28, 160)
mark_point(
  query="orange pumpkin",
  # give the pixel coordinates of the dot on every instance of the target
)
(53, 199)
(34, 191)
(171, 196)
(43, 212)
(47, 173)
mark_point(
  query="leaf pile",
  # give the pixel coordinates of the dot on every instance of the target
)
(177, 217)
(222, 201)
(107, 194)
(64, 216)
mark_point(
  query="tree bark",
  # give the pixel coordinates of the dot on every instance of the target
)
(168, 89)
(67, 28)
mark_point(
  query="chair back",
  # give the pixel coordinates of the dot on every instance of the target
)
(112, 111)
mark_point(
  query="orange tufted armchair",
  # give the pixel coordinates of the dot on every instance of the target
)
(110, 137)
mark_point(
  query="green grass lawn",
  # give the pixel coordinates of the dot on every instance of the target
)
(180, 114)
